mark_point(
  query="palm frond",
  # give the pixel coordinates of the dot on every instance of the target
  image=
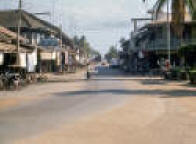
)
(191, 7)
(189, 3)
(159, 5)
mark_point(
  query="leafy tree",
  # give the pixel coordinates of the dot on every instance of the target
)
(84, 46)
(112, 53)
(76, 40)
(124, 44)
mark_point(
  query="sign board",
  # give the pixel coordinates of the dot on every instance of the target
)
(140, 55)
(22, 59)
(1, 58)
(31, 61)
(48, 56)
(58, 59)
(66, 57)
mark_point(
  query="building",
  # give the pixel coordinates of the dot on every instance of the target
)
(13, 59)
(149, 46)
(32, 28)
(47, 38)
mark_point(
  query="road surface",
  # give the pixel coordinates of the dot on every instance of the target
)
(56, 105)
(111, 108)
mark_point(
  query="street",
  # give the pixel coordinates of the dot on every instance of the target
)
(111, 108)
(98, 72)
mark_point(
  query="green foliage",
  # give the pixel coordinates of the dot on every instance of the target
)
(178, 8)
(194, 9)
(84, 46)
(187, 50)
(112, 53)
(175, 6)
(124, 44)
(192, 75)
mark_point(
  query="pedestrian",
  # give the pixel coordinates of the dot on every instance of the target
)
(88, 71)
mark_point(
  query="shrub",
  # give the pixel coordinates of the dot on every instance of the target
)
(186, 50)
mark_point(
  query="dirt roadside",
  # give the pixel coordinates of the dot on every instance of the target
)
(32, 92)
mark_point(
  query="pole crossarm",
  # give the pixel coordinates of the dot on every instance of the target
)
(141, 19)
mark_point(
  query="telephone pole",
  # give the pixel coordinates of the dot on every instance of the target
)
(168, 32)
(19, 24)
(61, 45)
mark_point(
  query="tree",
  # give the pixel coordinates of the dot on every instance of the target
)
(84, 46)
(112, 53)
(124, 44)
(76, 40)
(178, 8)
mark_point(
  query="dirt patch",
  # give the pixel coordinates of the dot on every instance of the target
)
(7, 103)
(13, 98)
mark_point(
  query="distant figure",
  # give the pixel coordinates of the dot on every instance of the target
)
(89, 68)
(167, 65)
(88, 74)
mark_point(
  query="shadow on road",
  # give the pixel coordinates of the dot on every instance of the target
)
(154, 82)
(160, 93)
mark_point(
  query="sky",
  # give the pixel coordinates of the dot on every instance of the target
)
(103, 22)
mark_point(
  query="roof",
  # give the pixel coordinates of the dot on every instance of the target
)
(10, 48)
(6, 34)
(9, 19)
(159, 23)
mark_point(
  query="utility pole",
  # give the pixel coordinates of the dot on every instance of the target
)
(168, 33)
(19, 24)
(61, 36)
(61, 45)
(42, 13)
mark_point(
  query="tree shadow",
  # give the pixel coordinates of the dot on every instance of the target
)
(156, 93)
(188, 84)
(104, 91)
(179, 94)
(154, 82)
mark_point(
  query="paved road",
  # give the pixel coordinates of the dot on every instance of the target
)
(111, 108)
(59, 103)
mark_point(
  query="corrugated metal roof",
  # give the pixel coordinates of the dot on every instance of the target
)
(9, 34)
(9, 19)
(10, 48)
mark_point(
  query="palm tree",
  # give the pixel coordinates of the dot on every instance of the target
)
(178, 8)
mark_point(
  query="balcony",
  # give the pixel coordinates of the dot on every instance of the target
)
(161, 44)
